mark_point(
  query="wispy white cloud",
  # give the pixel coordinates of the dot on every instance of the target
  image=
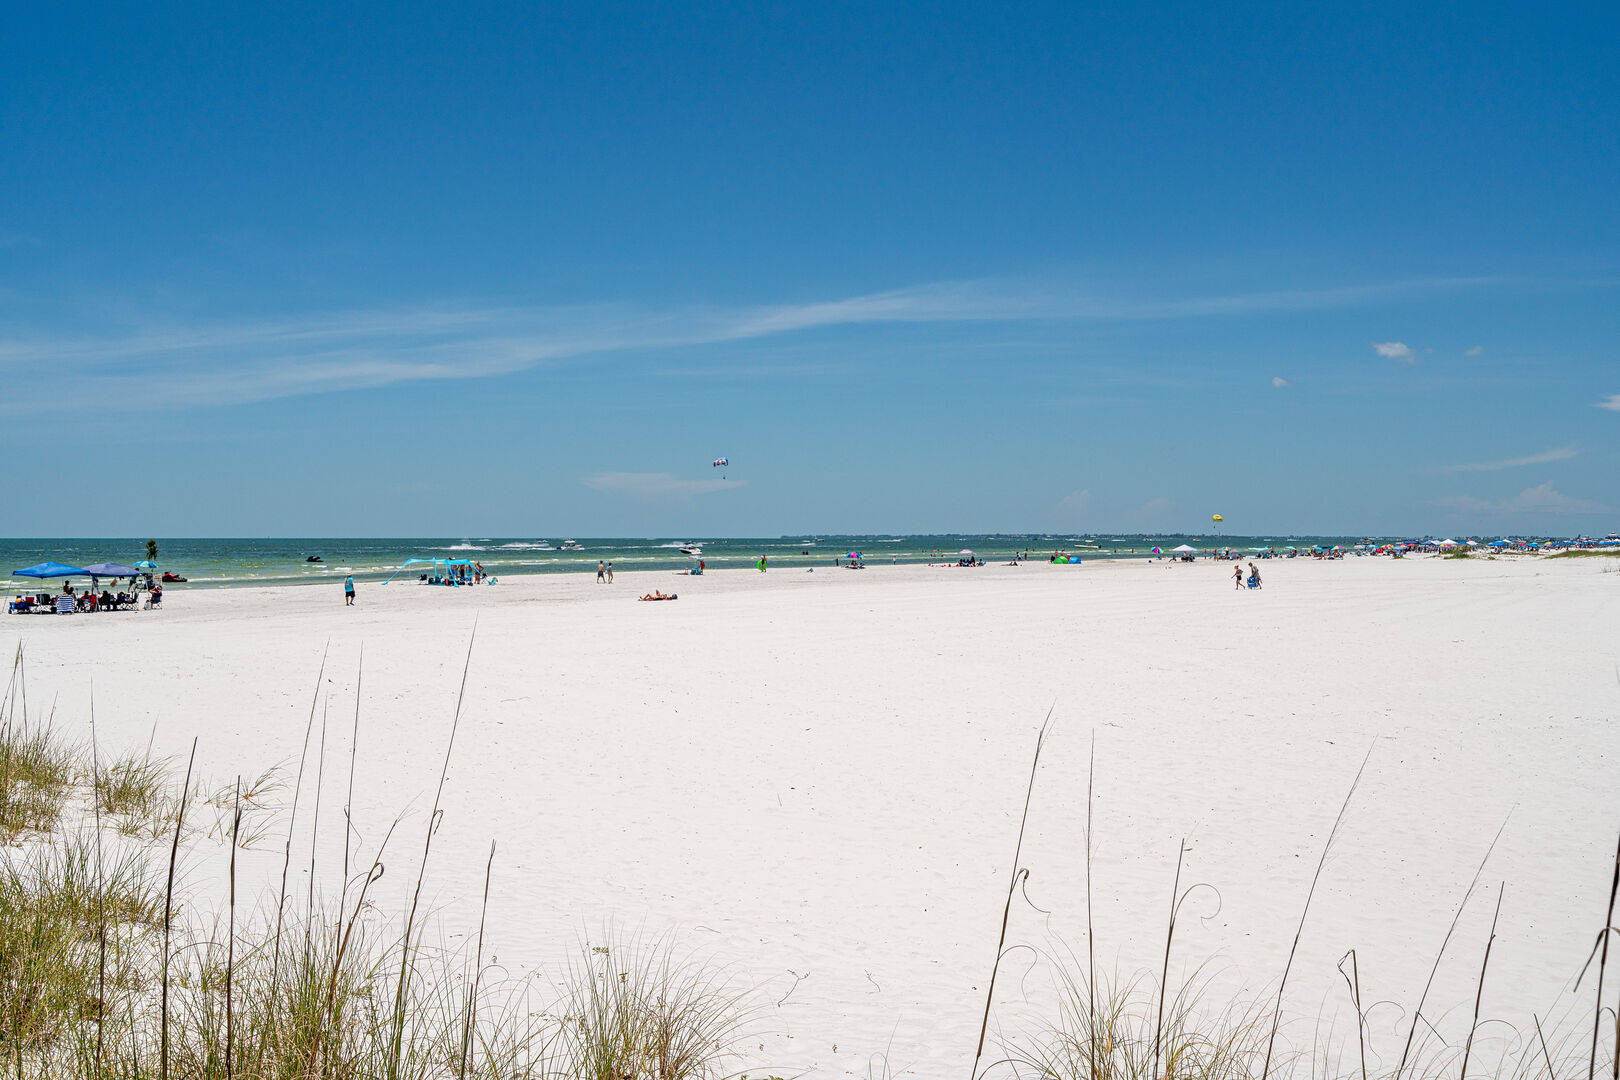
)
(1612, 403)
(1561, 453)
(1280, 383)
(655, 485)
(186, 363)
(1398, 351)
(1071, 506)
(1541, 501)
(1154, 510)
(1477, 350)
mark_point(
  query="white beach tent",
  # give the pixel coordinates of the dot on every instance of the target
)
(1184, 548)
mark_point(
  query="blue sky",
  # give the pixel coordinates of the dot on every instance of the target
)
(527, 269)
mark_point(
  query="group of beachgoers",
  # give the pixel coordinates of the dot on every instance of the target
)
(1237, 577)
(86, 600)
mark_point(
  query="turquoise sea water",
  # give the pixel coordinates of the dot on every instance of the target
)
(236, 562)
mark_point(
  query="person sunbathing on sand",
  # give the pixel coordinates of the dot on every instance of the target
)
(657, 595)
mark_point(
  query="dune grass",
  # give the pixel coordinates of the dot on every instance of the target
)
(108, 973)
(1147, 1027)
(1585, 553)
(634, 1009)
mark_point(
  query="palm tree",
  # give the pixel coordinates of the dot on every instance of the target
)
(151, 551)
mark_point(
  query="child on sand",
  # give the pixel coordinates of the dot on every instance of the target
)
(1237, 577)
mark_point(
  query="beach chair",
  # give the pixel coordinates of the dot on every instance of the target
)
(66, 605)
(154, 600)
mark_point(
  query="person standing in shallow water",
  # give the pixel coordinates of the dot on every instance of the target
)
(348, 592)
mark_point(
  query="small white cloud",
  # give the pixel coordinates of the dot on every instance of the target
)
(1539, 500)
(1477, 350)
(1398, 351)
(1561, 453)
(655, 485)
(1155, 509)
(1612, 403)
(1074, 502)
(1280, 383)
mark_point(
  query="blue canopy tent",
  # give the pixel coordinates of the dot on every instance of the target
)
(434, 563)
(111, 569)
(50, 569)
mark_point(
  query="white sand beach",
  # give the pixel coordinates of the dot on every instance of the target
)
(818, 777)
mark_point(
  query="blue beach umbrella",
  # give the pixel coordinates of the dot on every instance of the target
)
(50, 569)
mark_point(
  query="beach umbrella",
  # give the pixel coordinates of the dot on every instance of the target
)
(50, 569)
(146, 564)
(1156, 551)
(964, 554)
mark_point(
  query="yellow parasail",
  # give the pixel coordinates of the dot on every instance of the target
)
(1216, 518)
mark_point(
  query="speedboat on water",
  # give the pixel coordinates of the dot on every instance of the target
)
(690, 548)
(572, 545)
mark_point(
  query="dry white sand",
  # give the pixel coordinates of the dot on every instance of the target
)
(818, 776)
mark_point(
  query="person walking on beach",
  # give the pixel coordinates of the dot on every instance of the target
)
(762, 564)
(1254, 575)
(610, 573)
(601, 571)
(1237, 577)
(348, 592)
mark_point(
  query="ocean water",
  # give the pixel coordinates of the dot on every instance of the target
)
(216, 563)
